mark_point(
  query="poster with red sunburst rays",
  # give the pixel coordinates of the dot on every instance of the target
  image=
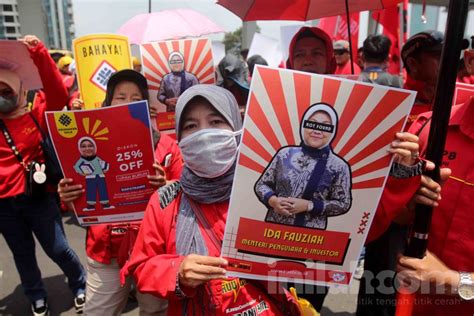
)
(312, 165)
(112, 166)
(171, 67)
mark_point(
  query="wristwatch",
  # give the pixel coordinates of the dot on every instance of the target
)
(310, 206)
(466, 286)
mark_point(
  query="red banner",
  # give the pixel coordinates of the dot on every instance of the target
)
(283, 241)
(336, 27)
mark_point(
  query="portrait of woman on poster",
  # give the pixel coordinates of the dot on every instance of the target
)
(304, 185)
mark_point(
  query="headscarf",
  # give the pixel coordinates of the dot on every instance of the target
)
(320, 107)
(121, 76)
(202, 190)
(89, 139)
(321, 155)
(318, 33)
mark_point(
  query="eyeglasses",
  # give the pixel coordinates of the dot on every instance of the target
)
(340, 51)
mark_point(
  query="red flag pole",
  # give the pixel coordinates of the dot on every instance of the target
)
(418, 242)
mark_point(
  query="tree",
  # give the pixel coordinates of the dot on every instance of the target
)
(233, 40)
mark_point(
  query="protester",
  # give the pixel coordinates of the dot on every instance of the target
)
(177, 253)
(176, 82)
(233, 75)
(343, 59)
(105, 295)
(255, 60)
(421, 55)
(376, 51)
(448, 264)
(304, 185)
(137, 65)
(23, 215)
(311, 51)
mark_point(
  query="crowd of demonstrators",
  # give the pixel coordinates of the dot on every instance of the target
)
(176, 255)
(26, 208)
(376, 50)
(106, 243)
(343, 59)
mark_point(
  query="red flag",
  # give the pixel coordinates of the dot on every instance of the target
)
(336, 27)
(390, 19)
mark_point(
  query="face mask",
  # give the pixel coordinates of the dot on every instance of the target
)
(8, 104)
(211, 152)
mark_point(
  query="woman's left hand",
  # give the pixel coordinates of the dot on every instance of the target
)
(298, 205)
(405, 148)
(159, 179)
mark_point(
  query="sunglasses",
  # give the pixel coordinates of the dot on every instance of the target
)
(340, 51)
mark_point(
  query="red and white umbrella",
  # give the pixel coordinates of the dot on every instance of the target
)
(299, 10)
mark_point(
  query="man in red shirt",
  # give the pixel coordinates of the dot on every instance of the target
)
(343, 59)
(21, 214)
(421, 55)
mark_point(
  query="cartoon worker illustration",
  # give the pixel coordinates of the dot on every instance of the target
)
(304, 185)
(94, 169)
(176, 82)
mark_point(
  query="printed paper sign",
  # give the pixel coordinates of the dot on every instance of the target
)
(111, 165)
(310, 173)
(97, 58)
(171, 67)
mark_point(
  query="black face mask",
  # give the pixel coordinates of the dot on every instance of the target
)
(8, 104)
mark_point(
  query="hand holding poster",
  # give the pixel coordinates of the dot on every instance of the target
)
(98, 56)
(171, 67)
(311, 170)
(112, 166)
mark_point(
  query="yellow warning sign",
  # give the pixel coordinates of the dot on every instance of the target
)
(98, 56)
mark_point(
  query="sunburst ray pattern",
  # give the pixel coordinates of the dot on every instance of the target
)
(197, 54)
(369, 118)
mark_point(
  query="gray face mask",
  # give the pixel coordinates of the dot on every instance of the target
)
(8, 104)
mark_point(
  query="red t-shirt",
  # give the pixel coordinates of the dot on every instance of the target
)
(346, 69)
(23, 130)
(155, 264)
(452, 235)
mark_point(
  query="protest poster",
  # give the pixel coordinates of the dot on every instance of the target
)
(171, 67)
(322, 143)
(98, 56)
(111, 165)
(267, 47)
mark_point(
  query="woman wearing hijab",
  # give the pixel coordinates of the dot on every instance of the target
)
(176, 255)
(105, 244)
(305, 184)
(93, 169)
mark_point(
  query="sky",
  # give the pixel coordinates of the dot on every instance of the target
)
(105, 16)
